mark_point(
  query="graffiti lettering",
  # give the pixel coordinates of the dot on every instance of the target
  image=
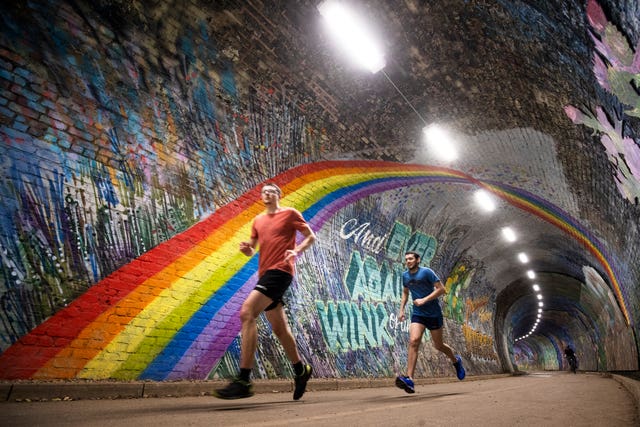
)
(366, 279)
(362, 236)
(401, 240)
(349, 326)
(394, 323)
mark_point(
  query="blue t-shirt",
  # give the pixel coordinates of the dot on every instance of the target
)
(420, 285)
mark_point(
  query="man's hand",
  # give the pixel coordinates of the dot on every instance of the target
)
(246, 248)
(401, 315)
(419, 301)
(290, 253)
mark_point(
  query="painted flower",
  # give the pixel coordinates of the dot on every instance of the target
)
(596, 16)
(632, 156)
(574, 114)
(601, 72)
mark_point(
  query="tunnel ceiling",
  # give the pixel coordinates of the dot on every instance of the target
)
(499, 75)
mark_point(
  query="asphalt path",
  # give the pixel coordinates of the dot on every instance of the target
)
(540, 399)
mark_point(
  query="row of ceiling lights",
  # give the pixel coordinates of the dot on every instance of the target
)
(357, 42)
(486, 202)
(510, 236)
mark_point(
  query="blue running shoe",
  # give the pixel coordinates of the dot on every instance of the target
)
(460, 372)
(405, 383)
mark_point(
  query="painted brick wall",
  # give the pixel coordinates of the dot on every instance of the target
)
(132, 140)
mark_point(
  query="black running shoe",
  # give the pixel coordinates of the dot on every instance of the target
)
(237, 389)
(301, 382)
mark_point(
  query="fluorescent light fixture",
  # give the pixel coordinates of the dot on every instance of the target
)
(509, 234)
(485, 200)
(352, 35)
(523, 257)
(540, 304)
(536, 287)
(440, 143)
(539, 296)
(539, 310)
(531, 274)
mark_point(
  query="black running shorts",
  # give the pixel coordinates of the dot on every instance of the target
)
(273, 284)
(431, 323)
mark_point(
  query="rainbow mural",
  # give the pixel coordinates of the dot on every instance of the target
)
(173, 312)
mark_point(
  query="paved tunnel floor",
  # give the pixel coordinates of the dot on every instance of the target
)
(548, 399)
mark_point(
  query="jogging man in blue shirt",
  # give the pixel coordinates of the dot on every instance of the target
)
(425, 288)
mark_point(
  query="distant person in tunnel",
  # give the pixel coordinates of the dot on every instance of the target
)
(425, 288)
(570, 355)
(274, 232)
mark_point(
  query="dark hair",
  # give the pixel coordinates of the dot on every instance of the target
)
(415, 254)
(271, 184)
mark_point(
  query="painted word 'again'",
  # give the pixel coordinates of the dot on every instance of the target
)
(373, 282)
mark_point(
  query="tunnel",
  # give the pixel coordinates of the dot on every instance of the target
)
(137, 136)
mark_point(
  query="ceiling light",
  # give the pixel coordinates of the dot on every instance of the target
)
(485, 200)
(531, 274)
(352, 35)
(509, 234)
(440, 143)
(536, 287)
(540, 304)
(523, 257)
(539, 296)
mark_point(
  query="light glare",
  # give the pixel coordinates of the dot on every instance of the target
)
(509, 234)
(485, 200)
(440, 142)
(352, 35)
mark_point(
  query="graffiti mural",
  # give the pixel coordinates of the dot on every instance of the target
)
(457, 282)
(617, 69)
(173, 312)
(126, 163)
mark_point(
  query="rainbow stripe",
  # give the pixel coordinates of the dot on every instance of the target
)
(173, 312)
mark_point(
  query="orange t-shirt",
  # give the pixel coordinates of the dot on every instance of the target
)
(276, 233)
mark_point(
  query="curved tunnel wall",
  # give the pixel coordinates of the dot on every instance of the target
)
(579, 315)
(130, 165)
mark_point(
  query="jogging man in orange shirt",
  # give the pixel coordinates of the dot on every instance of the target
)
(274, 232)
